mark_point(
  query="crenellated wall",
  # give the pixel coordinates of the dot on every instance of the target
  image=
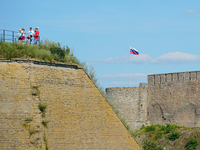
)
(179, 77)
(167, 98)
(174, 98)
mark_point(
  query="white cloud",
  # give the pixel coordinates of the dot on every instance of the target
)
(190, 12)
(169, 58)
(124, 84)
(124, 59)
(135, 76)
(176, 57)
(123, 80)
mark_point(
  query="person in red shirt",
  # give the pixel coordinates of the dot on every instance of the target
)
(36, 36)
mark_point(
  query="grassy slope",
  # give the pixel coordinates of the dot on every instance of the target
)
(159, 137)
(39, 52)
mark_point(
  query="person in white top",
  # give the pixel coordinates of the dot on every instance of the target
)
(30, 35)
(23, 34)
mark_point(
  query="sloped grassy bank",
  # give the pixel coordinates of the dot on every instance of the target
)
(45, 51)
(168, 137)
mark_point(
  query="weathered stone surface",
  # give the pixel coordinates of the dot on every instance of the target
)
(167, 98)
(131, 103)
(175, 100)
(80, 117)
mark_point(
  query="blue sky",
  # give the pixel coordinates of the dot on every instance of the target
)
(166, 34)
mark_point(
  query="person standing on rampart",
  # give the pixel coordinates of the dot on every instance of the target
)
(30, 35)
(19, 36)
(23, 34)
(36, 36)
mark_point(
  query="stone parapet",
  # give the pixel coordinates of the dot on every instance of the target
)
(173, 77)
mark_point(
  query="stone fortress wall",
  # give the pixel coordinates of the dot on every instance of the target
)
(170, 98)
(174, 98)
(79, 116)
(131, 102)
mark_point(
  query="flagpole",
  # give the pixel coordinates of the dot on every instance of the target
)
(129, 68)
(135, 52)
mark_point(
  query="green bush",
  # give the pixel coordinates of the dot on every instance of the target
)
(158, 135)
(168, 128)
(150, 145)
(191, 144)
(58, 52)
(173, 136)
(150, 128)
(42, 106)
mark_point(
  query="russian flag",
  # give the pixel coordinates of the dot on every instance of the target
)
(133, 51)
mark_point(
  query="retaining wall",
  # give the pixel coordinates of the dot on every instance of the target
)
(80, 117)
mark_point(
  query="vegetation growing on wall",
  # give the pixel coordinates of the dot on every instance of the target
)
(159, 137)
(33, 129)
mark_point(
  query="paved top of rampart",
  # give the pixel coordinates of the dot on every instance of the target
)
(37, 62)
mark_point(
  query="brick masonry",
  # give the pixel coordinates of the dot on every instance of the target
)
(167, 98)
(80, 117)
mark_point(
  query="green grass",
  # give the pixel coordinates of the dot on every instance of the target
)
(32, 131)
(45, 51)
(42, 107)
(45, 141)
(191, 144)
(150, 128)
(28, 119)
(150, 145)
(45, 122)
(169, 128)
(168, 136)
(173, 136)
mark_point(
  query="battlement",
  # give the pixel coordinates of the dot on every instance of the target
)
(155, 79)
(167, 98)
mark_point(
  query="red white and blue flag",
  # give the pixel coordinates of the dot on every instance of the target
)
(133, 51)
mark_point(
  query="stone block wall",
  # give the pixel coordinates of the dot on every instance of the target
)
(174, 98)
(167, 98)
(131, 102)
(80, 117)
